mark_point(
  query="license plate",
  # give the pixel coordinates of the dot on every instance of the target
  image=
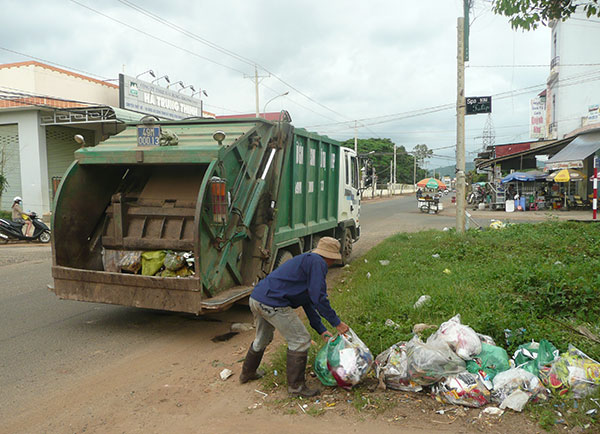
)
(148, 136)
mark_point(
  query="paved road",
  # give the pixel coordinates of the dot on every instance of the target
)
(46, 342)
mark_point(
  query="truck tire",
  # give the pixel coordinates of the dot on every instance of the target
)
(346, 246)
(282, 257)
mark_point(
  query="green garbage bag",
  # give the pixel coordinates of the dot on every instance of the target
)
(321, 369)
(152, 262)
(532, 356)
(492, 360)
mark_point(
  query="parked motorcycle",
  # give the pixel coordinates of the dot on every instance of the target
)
(10, 230)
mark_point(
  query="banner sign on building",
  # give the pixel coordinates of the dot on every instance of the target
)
(478, 104)
(593, 115)
(537, 118)
(143, 97)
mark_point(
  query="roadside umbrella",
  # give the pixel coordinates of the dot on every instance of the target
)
(431, 183)
(566, 175)
(518, 176)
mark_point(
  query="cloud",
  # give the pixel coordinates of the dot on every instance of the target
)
(359, 59)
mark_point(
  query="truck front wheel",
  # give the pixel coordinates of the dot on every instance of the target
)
(346, 246)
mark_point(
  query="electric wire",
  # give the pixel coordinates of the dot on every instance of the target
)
(157, 38)
(210, 44)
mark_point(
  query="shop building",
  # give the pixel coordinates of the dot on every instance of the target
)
(43, 107)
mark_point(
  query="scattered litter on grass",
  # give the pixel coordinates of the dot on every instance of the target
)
(446, 229)
(446, 271)
(497, 224)
(591, 412)
(384, 262)
(262, 393)
(390, 323)
(421, 301)
(558, 263)
(241, 327)
(225, 374)
(368, 275)
(421, 327)
(255, 406)
(366, 261)
(435, 255)
(302, 408)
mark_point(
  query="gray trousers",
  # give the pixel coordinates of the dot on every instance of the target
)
(285, 320)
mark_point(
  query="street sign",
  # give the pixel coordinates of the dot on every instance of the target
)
(479, 104)
(148, 135)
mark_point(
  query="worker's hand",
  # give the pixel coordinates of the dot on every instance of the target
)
(342, 328)
(326, 335)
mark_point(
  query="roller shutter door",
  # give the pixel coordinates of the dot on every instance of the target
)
(10, 159)
(60, 147)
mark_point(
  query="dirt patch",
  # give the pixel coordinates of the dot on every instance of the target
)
(174, 386)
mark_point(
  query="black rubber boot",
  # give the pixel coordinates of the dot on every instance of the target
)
(250, 369)
(296, 367)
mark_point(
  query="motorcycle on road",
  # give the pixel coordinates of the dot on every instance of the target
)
(10, 230)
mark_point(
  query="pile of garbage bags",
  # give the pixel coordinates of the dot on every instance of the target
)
(460, 366)
(163, 263)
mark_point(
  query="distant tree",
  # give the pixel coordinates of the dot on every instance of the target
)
(379, 152)
(528, 14)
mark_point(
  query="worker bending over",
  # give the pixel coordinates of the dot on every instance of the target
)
(298, 282)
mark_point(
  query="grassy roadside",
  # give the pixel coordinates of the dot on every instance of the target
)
(539, 281)
(542, 278)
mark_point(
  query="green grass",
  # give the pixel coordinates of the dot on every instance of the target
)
(542, 278)
(5, 214)
(525, 276)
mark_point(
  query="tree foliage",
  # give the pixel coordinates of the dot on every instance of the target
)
(379, 152)
(528, 14)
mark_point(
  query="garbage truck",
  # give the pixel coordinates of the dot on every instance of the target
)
(187, 216)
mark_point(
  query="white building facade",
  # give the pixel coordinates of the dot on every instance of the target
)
(36, 145)
(573, 87)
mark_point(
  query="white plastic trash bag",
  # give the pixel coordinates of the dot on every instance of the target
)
(461, 338)
(391, 368)
(506, 383)
(348, 359)
(428, 363)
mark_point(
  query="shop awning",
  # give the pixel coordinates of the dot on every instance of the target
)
(574, 153)
(91, 114)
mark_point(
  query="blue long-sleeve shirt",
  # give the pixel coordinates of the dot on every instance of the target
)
(299, 282)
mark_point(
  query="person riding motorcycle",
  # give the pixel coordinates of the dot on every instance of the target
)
(17, 214)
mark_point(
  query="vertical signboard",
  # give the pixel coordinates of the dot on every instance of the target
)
(537, 118)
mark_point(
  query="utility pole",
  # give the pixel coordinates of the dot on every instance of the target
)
(355, 138)
(394, 178)
(256, 79)
(460, 128)
(415, 173)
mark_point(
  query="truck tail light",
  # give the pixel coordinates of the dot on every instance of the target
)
(219, 202)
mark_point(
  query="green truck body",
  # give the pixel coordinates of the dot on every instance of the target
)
(240, 196)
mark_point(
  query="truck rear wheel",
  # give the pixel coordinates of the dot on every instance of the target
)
(282, 257)
(346, 246)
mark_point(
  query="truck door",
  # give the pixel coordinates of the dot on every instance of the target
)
(351, 205)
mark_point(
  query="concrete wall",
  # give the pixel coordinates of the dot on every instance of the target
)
(576, 43)
(55, 82)
(32, 159)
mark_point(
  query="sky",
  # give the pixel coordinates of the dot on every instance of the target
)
(382, 65)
